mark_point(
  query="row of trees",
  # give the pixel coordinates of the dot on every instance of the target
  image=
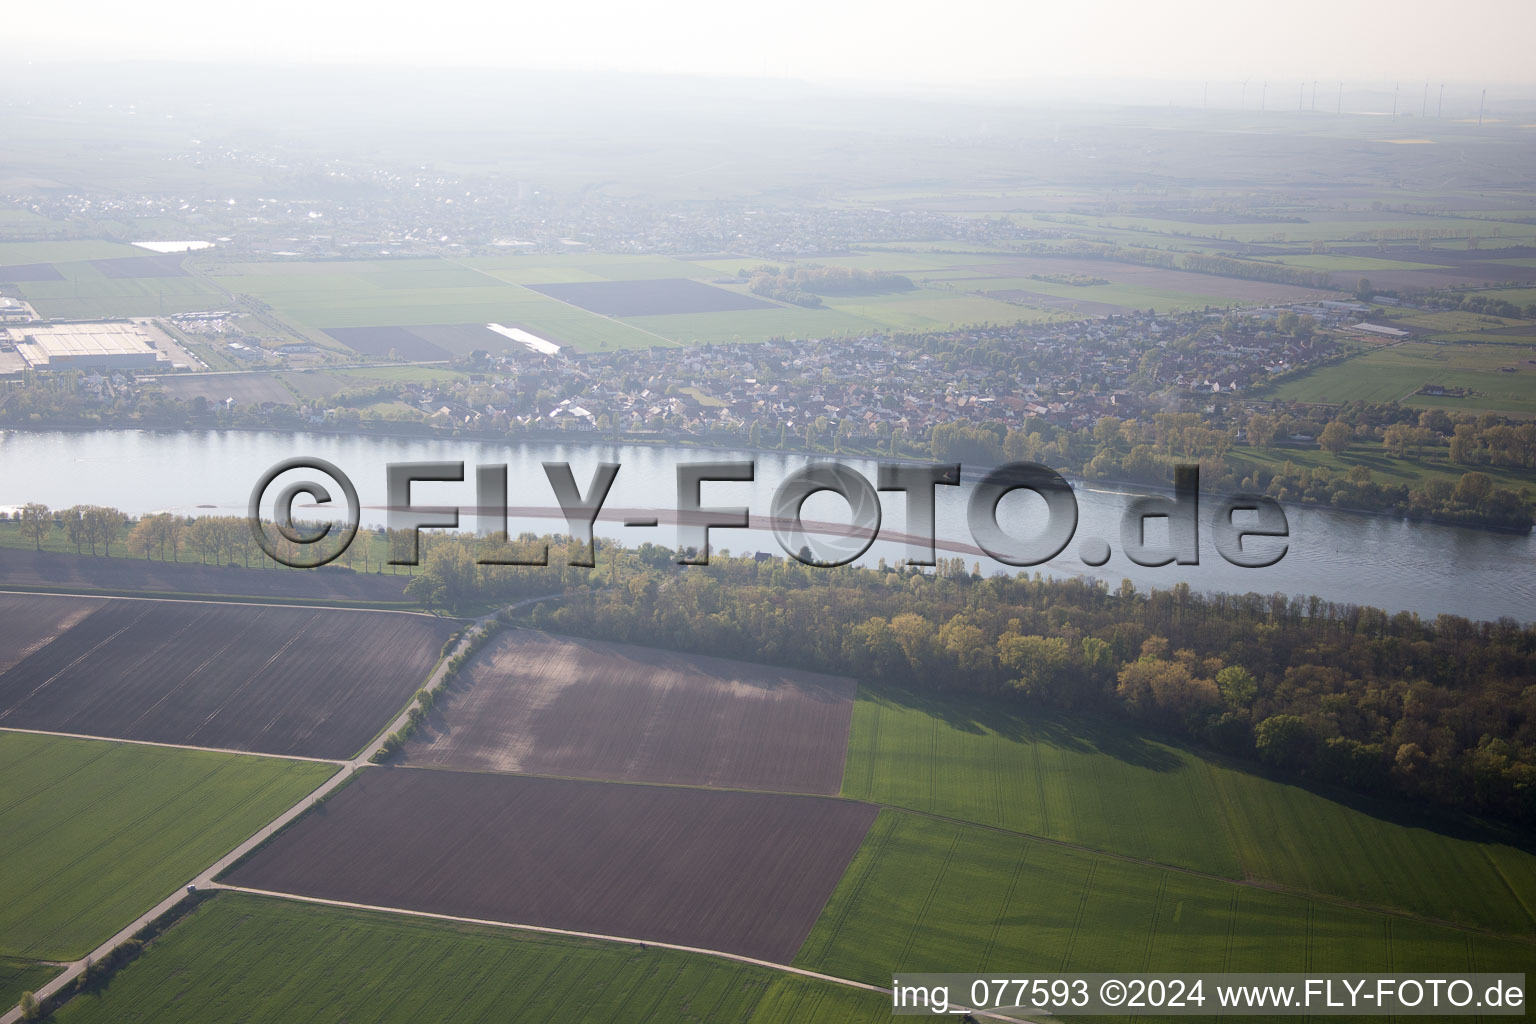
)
(1134, 450)
(211, 540)
(1471, 302)
(83, 525)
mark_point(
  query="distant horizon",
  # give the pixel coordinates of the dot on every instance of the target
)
(970, 45)
(1215, 93)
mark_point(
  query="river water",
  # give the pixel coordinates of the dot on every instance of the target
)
(1379, 560)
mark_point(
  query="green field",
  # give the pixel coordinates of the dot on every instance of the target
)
(751, 325)
(1395, 373)
(384, 293)
(257, 960)
(312, 296)
(928, 309)
(1126, 296)
(1363, 263)
(69, 251)
(1130, 286)
(18, 976)
(86, 292)
(1104, 786)
(21, 223)
(1415, 471)
(97, 832)
(1457, 321)
(1519, 296)
(485, 289)
(928, 895)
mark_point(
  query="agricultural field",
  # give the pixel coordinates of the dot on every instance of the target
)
(435, 308)
(548, 705)
(18, 223)
(1130, 285)
(55, 568)
(1413, 470)
(1442, 266)
(739, 872)
(71, 251)
(1107, 787)
(598, 301)
(1358, 264)
(753, 325)
(29, 624)
(269, 961)
(18, 976)
(405, 295)
(922, 893)
(84, 279)
(1395, 373)
(312, 682)
(243, 388)
(98, 832)
(650, 297)
(1519, 296)
(288, 387)
(394, 342)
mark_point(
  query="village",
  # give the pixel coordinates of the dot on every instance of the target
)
(867, 389)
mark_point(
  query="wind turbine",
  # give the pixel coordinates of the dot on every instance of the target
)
(1242, 97)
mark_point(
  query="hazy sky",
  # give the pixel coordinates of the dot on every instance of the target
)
(958, 43)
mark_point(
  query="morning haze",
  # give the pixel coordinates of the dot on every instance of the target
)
(1116, 422)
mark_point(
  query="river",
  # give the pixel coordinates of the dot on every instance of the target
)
(1379, 560)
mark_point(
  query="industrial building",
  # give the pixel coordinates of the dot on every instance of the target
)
(95, 345)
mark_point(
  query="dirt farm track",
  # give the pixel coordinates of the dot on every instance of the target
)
(745, 873)
(554, 705)
(313, 682)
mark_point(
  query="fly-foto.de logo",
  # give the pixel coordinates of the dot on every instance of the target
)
(1247, 530)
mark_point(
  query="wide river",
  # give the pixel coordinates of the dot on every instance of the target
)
(1344, 557)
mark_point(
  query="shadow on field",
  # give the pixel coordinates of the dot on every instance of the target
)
(1143, 748)
(979, 713)
(1396, 811)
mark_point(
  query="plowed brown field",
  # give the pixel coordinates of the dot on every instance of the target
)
(28, 623)
(305, 681)
(549, 705)
(744, 873)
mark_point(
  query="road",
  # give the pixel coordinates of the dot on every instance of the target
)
(173, 746)
(205, 878)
